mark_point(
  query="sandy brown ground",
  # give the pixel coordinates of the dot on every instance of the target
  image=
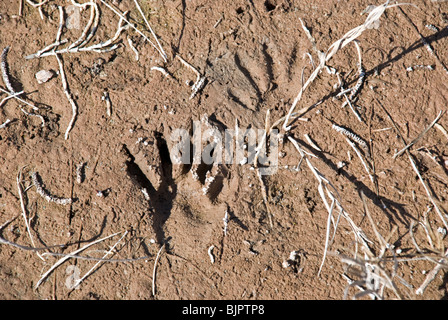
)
(252, 55)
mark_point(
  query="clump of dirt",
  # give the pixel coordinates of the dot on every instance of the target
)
(252, 56)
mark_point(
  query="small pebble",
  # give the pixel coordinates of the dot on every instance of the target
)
(44, 75)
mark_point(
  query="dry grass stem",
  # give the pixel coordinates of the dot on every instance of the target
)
(69, 97)
(78, 281)
(23, 207)
(32, 114)
(16, 96)
(154, 270)
(88, 258)
(133, 48)
(133, 27)
(71, 255)
(259, 148)
(351, 35)
(312, 41)
(367, 167)
(414, 166)
(311, 142)
(428, 46)
(329, 194)
(162, 52)
(399, 153)
(13, 95)
(441, 262)
(200, 80)
(370, 271)
(432, 274)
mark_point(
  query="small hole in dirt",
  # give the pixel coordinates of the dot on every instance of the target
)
(239, 10)
(269, 6)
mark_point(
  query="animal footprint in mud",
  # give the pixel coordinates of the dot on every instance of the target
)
(201, 159)
(158, 163)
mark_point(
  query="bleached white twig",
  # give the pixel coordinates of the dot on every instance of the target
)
(200, 80)
(210, 253)
(150, 29)
(311, 142)
(69, 97)
(432, 274)
(4, 124)
(39, 53)
(36, 5)
(197, 87)
(366, 167)
(131, 44)
(105, 97)
(94, 20)
(12, 95)
(34, 115)
(162, 70)
(133, 27)
(154, 271)
(101, 47)
(15, 96)
(442, 129)
(78, 281)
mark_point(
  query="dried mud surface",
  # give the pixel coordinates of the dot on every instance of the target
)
(252, 55)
